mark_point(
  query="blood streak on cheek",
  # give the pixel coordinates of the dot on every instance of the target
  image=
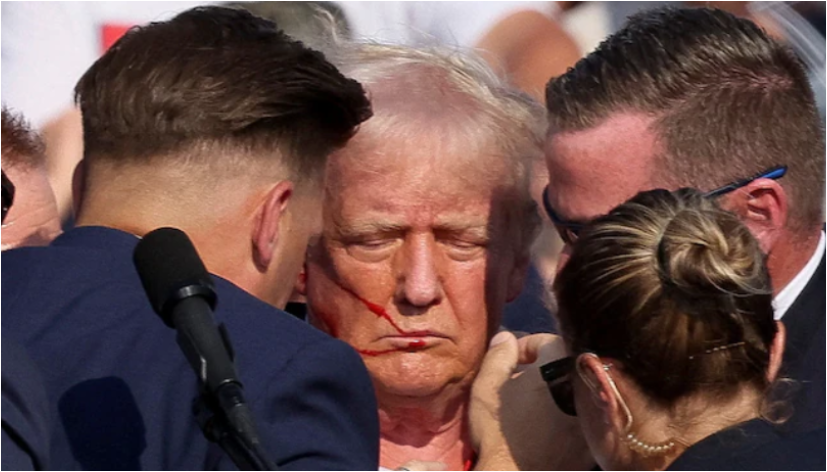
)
(381, 313)
(378, 311)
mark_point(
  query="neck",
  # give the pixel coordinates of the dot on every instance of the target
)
(436, 431)
(693, 423)
(789, 256)
(214, 233)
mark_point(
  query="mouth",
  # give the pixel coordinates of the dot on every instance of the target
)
(414, 340)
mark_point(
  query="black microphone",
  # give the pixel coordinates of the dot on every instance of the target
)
(181, 291)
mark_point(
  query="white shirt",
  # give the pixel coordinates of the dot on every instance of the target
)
(787, 296)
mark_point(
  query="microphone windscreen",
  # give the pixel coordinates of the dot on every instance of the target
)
(170, 270)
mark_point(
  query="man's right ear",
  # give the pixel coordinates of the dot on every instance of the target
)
(763, 207)
(270, 214)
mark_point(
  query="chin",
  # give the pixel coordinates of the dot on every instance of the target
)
(409, 375)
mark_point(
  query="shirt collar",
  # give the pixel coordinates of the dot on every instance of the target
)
(788, 294)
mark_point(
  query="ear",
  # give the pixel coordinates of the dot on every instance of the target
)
(777, 351)
(762, 206)
(516, 279)
(592, 372)
(271, 211)
(78, 184)
(301, 281)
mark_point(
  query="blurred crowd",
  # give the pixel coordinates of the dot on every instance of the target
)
(505, 235)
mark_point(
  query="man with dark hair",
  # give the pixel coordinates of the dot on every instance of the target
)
(216, 123)
(33, 219)
(700, 98)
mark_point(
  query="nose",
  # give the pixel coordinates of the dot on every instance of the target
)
(564, 257)
(420, 283)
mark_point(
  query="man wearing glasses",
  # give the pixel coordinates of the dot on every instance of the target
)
(699, 98)
(652, 109)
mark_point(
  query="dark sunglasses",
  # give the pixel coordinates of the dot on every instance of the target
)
(557, 375)
(8, 195)
(569, 231)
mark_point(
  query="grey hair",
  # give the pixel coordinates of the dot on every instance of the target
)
(449, 80)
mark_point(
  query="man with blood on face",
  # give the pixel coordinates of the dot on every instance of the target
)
(427, 226)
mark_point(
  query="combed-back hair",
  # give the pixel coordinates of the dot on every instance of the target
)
(21, 146)
(409, 84)
(217, 79)
(676, 290)
(727, 101)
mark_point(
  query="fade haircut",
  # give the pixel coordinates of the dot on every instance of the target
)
(411, 85)
(221, 86)
(726, 101)
(20, 145)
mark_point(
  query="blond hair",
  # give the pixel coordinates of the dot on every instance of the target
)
(677, 290)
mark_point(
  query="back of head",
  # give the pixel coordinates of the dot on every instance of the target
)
(453, 97)
(677, 291)
(216, 87)
(725, 100)
(30, 216)
(21, 147)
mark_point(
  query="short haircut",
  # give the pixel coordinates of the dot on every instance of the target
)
(727, 101)
(421, 82)
(675, 289)
(21, 146)
(216, 82)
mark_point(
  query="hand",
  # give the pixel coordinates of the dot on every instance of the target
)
(422, 465)
(515, 424)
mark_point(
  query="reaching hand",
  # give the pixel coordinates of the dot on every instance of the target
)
(515, 424)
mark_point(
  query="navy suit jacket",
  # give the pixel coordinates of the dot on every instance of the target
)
(754, 445)
(804, 356)
(25, 412)
(121, 391)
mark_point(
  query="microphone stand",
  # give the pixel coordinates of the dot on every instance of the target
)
(224, 416)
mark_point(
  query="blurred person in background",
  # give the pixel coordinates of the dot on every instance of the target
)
(33, 219)
(666, 314)
(25, 408)
(218, 124)
(701, 98)
(428, 220)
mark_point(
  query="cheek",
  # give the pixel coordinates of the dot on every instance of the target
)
(335, 285)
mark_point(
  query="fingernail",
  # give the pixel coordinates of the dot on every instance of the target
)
(499, 338)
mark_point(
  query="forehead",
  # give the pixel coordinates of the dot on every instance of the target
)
(591, 171)
(423, 175)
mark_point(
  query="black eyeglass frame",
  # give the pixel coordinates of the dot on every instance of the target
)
(557, 375)
(8, 195)
(569, 230)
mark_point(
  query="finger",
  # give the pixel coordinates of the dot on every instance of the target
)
(500, 360)
(531, 346)
(423, 465)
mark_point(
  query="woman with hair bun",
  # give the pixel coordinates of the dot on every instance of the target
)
(666, 311)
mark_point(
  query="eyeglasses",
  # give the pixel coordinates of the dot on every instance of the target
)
(773, 173)
(569, 231)
(8, 195)
(557, 375)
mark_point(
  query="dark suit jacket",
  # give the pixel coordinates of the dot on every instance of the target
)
(25, 412)
(755, 445)
(804, 356)
(121, 391)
